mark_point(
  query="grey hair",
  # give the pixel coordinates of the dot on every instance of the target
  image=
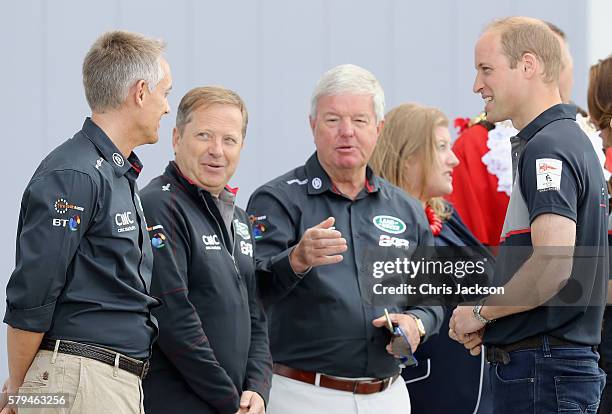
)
(349, 79)
(115, 62)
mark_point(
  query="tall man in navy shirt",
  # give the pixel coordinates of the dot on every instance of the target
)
(316, 228)
(540, 336)
(78, 308)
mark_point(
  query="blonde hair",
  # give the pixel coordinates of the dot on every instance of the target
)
(409, 132)
(520, 35)
(205, 96)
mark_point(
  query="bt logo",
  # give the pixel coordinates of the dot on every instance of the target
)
(72, 223)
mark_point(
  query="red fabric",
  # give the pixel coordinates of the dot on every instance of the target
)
(608, 164)
(475, 195)
(233, 190)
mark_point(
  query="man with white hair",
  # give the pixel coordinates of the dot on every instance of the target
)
(315, 227)
(78, 307)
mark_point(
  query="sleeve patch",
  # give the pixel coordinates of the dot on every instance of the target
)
(259, 226)
(158, 238)
(548, 174)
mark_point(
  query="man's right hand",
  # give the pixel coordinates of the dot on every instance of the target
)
(320, 245)
(6, 409)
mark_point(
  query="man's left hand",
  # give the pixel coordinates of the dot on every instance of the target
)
(251, 403)
(407, 324)
(472, 341)
(464, 322)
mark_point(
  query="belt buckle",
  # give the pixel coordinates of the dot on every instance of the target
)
(145, 369)
(385, 384)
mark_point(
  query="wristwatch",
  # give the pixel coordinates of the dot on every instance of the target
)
(476, 310)
(419, 324)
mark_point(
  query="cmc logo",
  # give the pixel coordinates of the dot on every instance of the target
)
(124, 219)
(212, 240)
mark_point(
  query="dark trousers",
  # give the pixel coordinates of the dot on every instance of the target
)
(548, 380)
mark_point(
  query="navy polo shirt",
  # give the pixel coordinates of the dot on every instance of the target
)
(556, 171)
(83, 258)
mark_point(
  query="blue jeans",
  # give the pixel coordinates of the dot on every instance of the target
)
(548, 380)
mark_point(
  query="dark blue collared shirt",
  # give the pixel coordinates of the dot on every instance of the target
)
(322, 321)
(84, 259)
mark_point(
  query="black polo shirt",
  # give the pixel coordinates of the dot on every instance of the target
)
(213, 341)
(83, 259)
(322, 321)
(556, 172)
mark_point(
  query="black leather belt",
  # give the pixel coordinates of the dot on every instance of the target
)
(131, 365)
(500, 353)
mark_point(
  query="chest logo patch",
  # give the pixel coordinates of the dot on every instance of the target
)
(118, 159)
(389, 224)
(548, 174)
(246, 248)
(211, 242)
(125, 221)
(242, 229)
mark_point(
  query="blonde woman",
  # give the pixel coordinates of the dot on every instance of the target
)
(414, 153)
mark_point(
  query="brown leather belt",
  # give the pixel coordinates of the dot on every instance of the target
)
(131, 365)
(326, 381)
(500, 353)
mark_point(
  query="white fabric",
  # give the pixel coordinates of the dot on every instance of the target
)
(590, 131)
(289, 396)
(499, 161)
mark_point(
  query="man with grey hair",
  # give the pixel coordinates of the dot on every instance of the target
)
(313, 227)
(78, 308)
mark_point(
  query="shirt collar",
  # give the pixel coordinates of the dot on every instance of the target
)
(109, 151)
(228, 195)
(554, 113)
(319, 181)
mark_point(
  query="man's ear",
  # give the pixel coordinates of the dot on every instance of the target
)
(176, 137)
(139, 91)
(530, 65)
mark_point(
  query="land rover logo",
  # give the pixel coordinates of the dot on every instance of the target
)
(389, 224)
